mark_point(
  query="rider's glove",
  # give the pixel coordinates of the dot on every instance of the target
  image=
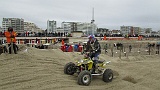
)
(12, 36)
(93, 51)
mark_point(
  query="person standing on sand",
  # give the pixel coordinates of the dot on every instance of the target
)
(130, 48)
(105, 48)
(10, 36)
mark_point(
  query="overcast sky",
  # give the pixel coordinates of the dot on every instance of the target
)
(109, 14)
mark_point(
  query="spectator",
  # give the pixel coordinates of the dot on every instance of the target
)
(105, 48)
(130, 48)
(10, 36)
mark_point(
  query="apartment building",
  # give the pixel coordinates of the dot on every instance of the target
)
(16, 23)
(126, 30)
(69, 26)
(51, 26)
(137, 30)
(146, 31)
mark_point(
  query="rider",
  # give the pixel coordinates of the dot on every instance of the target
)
(94, 47)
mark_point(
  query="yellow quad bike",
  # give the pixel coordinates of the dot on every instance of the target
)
(85, 68)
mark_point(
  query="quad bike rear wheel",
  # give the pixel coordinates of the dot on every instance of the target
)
(107, 75)
(69, 68)
(84, 78)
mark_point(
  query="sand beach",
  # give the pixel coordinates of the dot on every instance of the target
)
(42, 69)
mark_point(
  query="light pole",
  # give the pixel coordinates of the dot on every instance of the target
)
(87, 29)
(92, 22)
(63, 28)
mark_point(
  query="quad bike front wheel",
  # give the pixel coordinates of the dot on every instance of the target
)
(107, 75)
(84, 78)
(69, 68)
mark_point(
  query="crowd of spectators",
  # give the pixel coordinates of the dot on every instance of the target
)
(58, 34)
(39, 34)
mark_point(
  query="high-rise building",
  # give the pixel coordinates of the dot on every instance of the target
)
(51, 26)
(69, 27)
(16, 23)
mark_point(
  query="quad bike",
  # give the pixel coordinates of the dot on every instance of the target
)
(86, 68)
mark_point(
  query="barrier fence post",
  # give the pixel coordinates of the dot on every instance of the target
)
(112, 50)
(18, 41)
(11, 46)
(157, 49)
(120, 53)
(149, 51)
(124, 51)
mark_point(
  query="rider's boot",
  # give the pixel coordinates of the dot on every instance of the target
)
(95, 64)
(95, 67)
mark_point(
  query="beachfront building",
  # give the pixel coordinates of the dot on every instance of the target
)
(86, 28)
(126, 30)
(130, 30)
(102, 31)
(68, 27)
(16, 23)
(115, 33)
(31, 27)
(51, 26)
(1, 29)
(60, 30)
(137, 30)
(154, 33)
(146, 31)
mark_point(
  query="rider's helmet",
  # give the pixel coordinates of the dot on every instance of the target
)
(91, 38)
